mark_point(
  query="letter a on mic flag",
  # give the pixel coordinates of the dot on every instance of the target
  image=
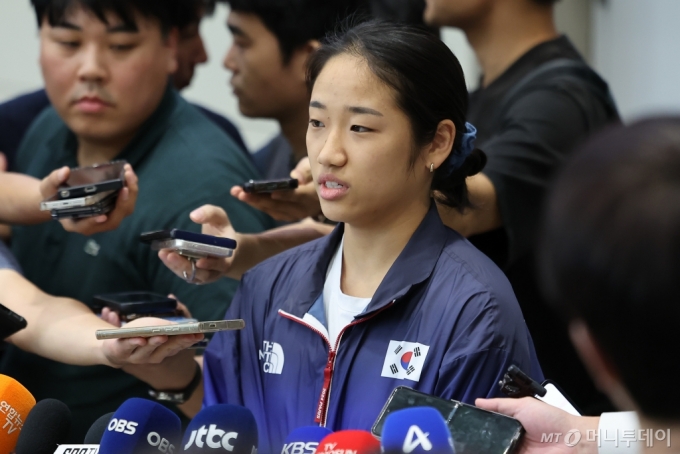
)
(404, 360)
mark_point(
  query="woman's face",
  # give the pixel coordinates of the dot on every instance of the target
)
(359, 144)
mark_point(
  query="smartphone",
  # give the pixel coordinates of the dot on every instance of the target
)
(102, 207)
(260, 186)
(171, 330)
(55, 203)
(132, 305)
(84, 181)
(557, 398)
(473, 430)
(10, 322)
(189, 244)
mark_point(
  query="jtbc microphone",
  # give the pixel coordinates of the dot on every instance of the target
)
(15, 403)
(141, 426)
(304, 440)
(221, 428)
(96, 431)
(47, 425)
(349, 442)
(416, 430)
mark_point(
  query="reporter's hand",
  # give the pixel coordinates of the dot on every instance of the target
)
(146, 350)
(215, 222)
(290, 205)
(125, 203)
(539, 418)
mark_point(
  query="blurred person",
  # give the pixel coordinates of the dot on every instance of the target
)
(392, 297)
(16, 115)
(537, 100)
(106, 67)
(609, 257)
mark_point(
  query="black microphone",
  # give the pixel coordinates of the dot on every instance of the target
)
(47, 425)
(97, 429)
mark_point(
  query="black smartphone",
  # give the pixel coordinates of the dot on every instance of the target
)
(10, 322)
(260, 186)
(473, 430)
(131, 305)
(84, 181)
(102, 207)
(190, 244)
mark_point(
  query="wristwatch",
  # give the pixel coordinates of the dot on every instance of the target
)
(181, 396)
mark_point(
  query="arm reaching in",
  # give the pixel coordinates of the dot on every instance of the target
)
(20, 197)
(251, 249)
(63, 329)
(539, 418)
(289, 206)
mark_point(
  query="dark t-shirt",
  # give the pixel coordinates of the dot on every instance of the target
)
(16, 116)
(527, 135)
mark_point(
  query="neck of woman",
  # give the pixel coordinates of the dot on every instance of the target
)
(371, 249)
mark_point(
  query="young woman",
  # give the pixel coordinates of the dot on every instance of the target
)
(391, 297)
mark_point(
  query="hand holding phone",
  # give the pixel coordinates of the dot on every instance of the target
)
(101, 216)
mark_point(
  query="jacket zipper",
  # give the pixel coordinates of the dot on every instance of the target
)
(324, 398)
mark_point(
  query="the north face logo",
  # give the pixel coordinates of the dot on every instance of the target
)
(272, 357)
(404, 360)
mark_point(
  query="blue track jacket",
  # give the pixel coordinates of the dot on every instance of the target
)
(444, 321)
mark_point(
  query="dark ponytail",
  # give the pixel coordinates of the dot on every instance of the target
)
(429, 87)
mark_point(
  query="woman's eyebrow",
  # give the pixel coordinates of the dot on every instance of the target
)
(317, 105)
(364, 110)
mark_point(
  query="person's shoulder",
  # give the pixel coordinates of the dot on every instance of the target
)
(476, 273)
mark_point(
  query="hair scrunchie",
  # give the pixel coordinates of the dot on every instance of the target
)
(459, 154)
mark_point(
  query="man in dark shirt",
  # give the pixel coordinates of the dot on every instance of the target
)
(537, 100)
(17, 114)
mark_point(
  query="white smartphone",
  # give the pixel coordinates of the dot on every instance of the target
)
(55, 203)
(555, 397)
(171, 330)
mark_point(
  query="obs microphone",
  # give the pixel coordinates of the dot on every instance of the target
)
(304, 440)
(221, 428)
(15, 403)
(141, 426)
(417, 430)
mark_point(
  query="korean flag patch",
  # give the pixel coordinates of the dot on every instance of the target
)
(404, 360)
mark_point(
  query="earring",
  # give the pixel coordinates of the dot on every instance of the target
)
(431, 167)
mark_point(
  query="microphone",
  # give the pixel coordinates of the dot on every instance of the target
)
(304, 440)
(141, 426)
(416, 430)
(47, 426)
(15, 403)
(96, 431)
(221, 427)
(349, 442)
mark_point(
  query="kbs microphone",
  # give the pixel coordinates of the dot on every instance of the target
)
(47, 425)
(15, 403)
(416, 430)
(221, 428)
(141, 426)
(349, 442)
(304, 440)
(96, 431)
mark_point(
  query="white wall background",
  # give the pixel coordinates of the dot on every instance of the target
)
(632, 43)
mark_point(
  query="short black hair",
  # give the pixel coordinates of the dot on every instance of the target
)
(169, 13)
(296, 22)
(610, 254)
(428, 83)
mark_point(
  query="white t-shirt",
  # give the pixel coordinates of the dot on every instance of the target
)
(340, 308)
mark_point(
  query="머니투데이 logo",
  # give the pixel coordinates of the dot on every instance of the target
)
(404, 360)
(272, 357)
